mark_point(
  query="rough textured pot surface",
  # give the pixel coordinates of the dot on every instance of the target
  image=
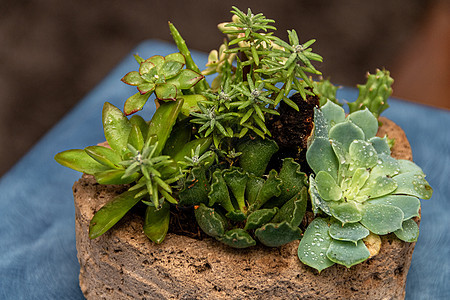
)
(124, 264)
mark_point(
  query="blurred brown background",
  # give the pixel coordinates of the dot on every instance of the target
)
(53, 52)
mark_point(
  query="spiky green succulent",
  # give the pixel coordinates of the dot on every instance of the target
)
(357, 188)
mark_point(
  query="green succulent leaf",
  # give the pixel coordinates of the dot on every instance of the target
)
(162, 122)
(133, 78)
(236, 216)
(166, 91)
(327, 187)
(256, 155)
(79, 160)
(346, 212)
(320, 157)
(270, 188)
(333, 113)
(381, 145)
(196, 188)
(314, 245)
(187, 148)
(156, 222)
(363, 154)
(135, 103)
(346, 133)
(190, 103)
(413, 184)
(186, 79)
(378, 187)
(117, 128)
(408, 204)
(260, 217)
(350, 232)
(176, 57)
(386, 166)
(275, 235)
(141, 123)
(115, 176)
(254, 185)
(347, 253)
(210, 221)
(409, 231)
(219, 192)
(382, 219)
(136, 139)
(316, 200)
(365, 120)
(293, 180)
(237, 238)
(171, 68)
(407, 166)
(237, 182)
(293, 210)
(111, 213)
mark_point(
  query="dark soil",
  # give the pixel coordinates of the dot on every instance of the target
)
(291, 130)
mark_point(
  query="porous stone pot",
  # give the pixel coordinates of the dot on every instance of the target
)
(124, 264)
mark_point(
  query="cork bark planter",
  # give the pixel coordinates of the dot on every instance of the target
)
(124, 264)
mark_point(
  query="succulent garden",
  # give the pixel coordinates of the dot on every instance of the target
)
(256, 151)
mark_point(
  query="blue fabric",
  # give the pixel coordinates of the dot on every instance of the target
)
(37, 235)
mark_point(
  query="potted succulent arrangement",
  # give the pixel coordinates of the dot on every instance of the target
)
(264, 162)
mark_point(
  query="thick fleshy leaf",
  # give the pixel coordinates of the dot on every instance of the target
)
(111, 213)
(162, 122)
(115, 176)
(219, 192)
(270, 188)
(358, 180)
(314, 245)
(316, 200)
(156, 60)
(254, 185)
(320, 124)
(170, 68)
(116, 126)
(136, 139)
(347, 253)
(407, 166)
(409, 231)
(293, 180)
(363, 154)
(293, 210)
(237, 182)
(365, 120)
(320, 157)
(133, 78)
(333, 113)
(275, 235)
(211, 222)
(187, 148)
(156, 222)
(382, 219)
(176, 57)
(350, 232)
(256, 155)
(346, 212)
(178, 138)
(236, 216)
(79, 160)
(135, 103)
(186, 79)
(386, 166)
(378, 187)
(145, 67)
(166, 91)
(413, 184)
(346, 133)
(141, 123)
(327, 187)
(380, 145)
(196, 188)
(237, 238)
(408, 204)
(190, 103)
(106, 156)
(259, 218)
(146, 88)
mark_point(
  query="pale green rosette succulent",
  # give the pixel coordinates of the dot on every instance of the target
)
(357, 188)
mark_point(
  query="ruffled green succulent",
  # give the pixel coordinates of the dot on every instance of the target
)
(241, 205)
(357, 188)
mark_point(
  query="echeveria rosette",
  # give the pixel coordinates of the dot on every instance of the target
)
(357, 188)
(163, 76)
